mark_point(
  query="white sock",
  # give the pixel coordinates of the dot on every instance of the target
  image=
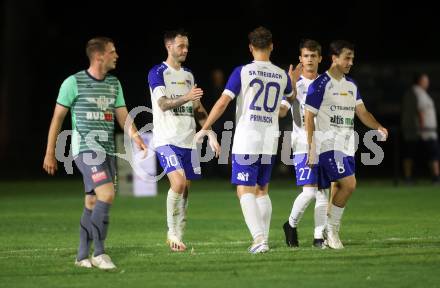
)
(173, 200)
(265, 207)
(181, 219)
(300, 204)
(334, 219)
(320, 212)
(251, 215)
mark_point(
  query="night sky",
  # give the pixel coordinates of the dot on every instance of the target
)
(43, 43)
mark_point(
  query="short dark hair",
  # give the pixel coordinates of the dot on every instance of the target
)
(171, 34)
(260, 38)
(97, 44)
(311, 45)
(418, 76)
(337, 46)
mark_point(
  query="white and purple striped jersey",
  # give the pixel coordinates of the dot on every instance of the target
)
(334, 102)
(299, 136)
(175, 126)
(259, 88)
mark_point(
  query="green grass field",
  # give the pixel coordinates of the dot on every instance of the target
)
(391, 235)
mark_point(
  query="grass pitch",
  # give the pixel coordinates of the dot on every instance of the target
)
(391, 235)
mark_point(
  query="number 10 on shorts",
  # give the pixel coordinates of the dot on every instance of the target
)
(171, 161)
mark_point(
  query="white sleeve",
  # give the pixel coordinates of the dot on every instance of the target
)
(229, 93)
(158, 92)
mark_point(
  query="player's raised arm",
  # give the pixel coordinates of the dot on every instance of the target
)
(368, 119)
(294, 74)
(309, 123)
(122, 116)
(50, 162)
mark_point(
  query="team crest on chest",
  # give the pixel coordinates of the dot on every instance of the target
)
(102, 102)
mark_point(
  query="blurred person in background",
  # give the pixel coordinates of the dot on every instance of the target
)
(419, 125)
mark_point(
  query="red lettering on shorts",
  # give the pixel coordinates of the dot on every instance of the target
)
(97, 177)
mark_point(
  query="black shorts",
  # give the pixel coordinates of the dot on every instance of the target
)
(410, 149)
(431, 149)
(96, 171)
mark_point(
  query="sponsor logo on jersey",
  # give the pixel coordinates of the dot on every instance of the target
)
(183, 110)
(341, 108)
(339, 120)
(108, 116)
(336, 119)
(349, 93)
(242, 176)
(99, 116)
(349, 121)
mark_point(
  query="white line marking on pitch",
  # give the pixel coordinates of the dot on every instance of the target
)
(208, 243)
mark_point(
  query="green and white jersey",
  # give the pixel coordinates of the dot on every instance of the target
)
(92, 103)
